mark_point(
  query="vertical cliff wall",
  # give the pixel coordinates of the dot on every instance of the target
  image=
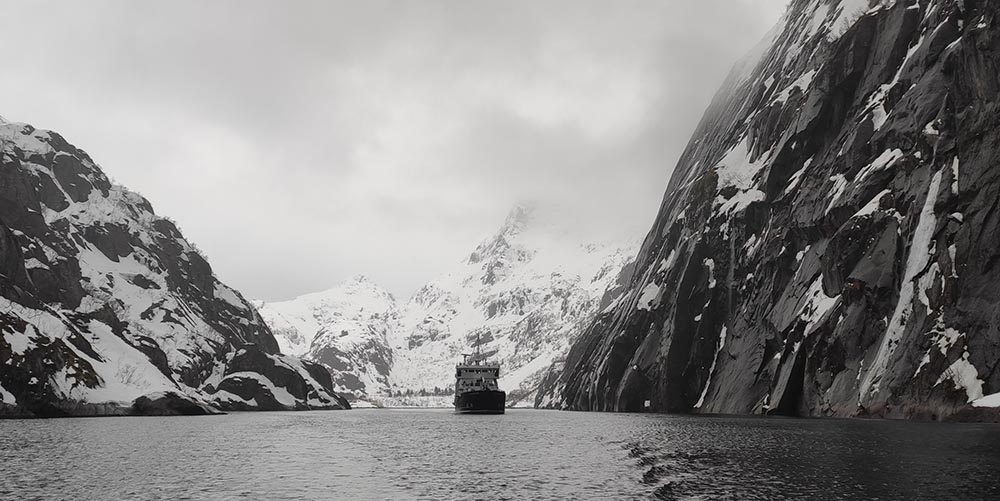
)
(828, 243)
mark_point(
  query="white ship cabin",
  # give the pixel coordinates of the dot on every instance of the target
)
(475, 374)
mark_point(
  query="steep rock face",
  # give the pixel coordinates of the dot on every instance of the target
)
(828, 242)
(105, 308)
(344, 328)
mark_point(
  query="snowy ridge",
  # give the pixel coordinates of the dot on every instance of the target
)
(344, 328)
(123, 313)
(527, 291)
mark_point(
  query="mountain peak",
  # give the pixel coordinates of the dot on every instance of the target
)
(519, 216)
(518, 219)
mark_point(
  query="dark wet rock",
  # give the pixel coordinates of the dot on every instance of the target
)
(169, 404)
(256, 393)
(50, 194)
(320, 375)
(827, 242)
(72, 176)
(110, 239)
(252, 375)
(145, 283)
(11, 259)
(346, 365)
(253, 395)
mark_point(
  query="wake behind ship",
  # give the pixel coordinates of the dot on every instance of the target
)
(476, 389)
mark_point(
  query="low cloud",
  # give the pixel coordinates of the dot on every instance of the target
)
(301, 143)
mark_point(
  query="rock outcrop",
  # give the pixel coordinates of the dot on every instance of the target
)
(828, 243)
(105, 308)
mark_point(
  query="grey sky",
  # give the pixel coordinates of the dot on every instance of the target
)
(300, 143)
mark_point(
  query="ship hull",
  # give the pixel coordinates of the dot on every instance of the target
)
(481, 402)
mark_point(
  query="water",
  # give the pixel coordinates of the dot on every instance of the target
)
(525, 454)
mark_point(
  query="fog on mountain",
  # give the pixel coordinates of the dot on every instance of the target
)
(826, 247)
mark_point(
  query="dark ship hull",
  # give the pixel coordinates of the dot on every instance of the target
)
(481, 402)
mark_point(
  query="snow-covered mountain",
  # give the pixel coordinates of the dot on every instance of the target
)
(105, 308)
(345, 328)
(827, 244)
(524, 293)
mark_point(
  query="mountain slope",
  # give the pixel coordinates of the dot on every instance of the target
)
(344, 328)
(105, 308)
(827, 243)
(525, 292)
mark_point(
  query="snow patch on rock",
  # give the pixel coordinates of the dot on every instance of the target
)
(648, 297)
(915, 264)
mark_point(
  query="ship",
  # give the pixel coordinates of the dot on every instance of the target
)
(476, 388)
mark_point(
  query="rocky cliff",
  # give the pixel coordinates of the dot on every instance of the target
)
(105, 308)
(828, 243)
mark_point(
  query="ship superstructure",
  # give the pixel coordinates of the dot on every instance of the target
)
(476, 387)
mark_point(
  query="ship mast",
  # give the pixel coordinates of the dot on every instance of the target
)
(479, 348)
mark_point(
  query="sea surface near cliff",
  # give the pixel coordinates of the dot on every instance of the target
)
(525, 454)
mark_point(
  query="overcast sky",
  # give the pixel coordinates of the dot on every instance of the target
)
(300, 143)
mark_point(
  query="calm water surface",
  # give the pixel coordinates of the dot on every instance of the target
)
(525, 454)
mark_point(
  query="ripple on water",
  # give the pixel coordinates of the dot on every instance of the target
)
(435, 454)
